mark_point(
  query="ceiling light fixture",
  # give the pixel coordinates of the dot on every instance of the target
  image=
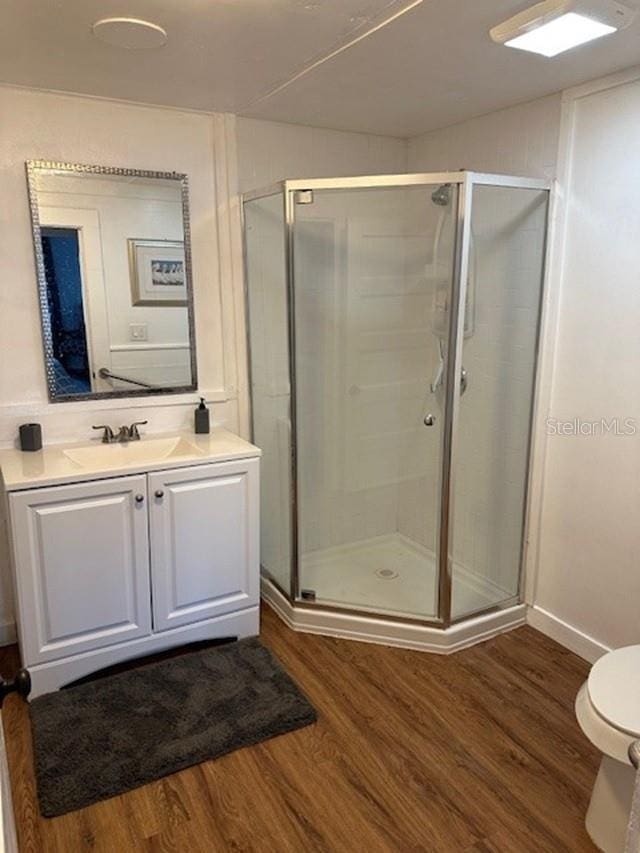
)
(130, 33)
(553, 26)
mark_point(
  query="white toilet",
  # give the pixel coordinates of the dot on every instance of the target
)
(608, 710)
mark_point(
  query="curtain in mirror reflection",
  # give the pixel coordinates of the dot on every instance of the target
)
(66, 310)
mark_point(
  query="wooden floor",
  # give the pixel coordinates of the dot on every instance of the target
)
(478, 751)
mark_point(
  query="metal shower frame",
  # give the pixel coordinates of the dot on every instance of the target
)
(465, 182)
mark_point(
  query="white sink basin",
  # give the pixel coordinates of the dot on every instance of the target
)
(145, 451)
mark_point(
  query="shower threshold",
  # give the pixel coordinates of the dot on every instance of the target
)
(363, 591)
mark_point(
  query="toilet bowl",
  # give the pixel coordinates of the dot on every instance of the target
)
(608, 711)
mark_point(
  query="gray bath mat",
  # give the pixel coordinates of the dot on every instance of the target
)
(108, 736)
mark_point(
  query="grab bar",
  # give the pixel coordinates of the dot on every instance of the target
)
(104, 373)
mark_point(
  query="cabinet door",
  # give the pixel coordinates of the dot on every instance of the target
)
(204, 541)
(81, 565)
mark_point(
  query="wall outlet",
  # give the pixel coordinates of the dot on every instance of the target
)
(138, 331)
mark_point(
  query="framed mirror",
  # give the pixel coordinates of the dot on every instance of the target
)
(113, 264)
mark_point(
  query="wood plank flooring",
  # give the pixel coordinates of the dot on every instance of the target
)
(475, 752)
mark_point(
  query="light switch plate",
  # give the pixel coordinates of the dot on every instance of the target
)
(138, 331)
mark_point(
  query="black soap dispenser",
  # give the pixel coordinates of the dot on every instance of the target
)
(202, 418)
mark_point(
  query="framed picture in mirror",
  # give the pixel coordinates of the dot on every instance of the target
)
(157, 272)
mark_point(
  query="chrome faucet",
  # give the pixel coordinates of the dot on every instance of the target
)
(124, 434)
(133, 434)
(108, 436)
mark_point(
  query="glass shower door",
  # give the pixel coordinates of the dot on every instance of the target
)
(372, 277)
(506, 258)
(267, 302)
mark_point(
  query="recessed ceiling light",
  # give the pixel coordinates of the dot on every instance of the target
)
(130, 33)
(553, 26)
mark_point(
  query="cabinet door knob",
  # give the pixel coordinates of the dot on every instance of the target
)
(139, 499)
(159, 493)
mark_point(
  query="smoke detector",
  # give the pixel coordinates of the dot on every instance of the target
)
(130, 33)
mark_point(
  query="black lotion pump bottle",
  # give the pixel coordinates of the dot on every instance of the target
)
(202, 418)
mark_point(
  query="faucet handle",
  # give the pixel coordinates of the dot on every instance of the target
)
(108, 436)
(133, 429)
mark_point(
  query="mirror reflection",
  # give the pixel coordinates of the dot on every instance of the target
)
(114, 277)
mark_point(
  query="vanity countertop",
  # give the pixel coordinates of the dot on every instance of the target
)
(92, 460)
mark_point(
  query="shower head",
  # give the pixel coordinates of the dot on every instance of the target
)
(442, 195)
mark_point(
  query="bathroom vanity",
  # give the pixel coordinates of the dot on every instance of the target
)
(123, 550)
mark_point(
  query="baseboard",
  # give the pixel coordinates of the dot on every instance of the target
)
(7, 633)
(377, 629)
(567, 635)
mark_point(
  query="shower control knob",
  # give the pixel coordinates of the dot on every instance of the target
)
(429, 420)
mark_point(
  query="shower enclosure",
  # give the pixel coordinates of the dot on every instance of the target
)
(393, 328)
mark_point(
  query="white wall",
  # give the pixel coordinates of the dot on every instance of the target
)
(520, 140)
(270, 151)
(587, 586)
(45, 126)
(39, 125)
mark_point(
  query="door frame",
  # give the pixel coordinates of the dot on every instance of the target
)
(94, 298)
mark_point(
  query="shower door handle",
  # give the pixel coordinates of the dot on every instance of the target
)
(437, 382)
(464, 381)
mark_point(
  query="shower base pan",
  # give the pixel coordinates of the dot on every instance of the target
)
(378, 589)
(392, 575)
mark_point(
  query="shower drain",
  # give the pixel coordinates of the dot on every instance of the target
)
(387, 574)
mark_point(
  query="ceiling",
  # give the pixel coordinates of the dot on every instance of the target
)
(302, 61)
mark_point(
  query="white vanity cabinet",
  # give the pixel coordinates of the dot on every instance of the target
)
(204, 548)
(117, 567)
(81, 555)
